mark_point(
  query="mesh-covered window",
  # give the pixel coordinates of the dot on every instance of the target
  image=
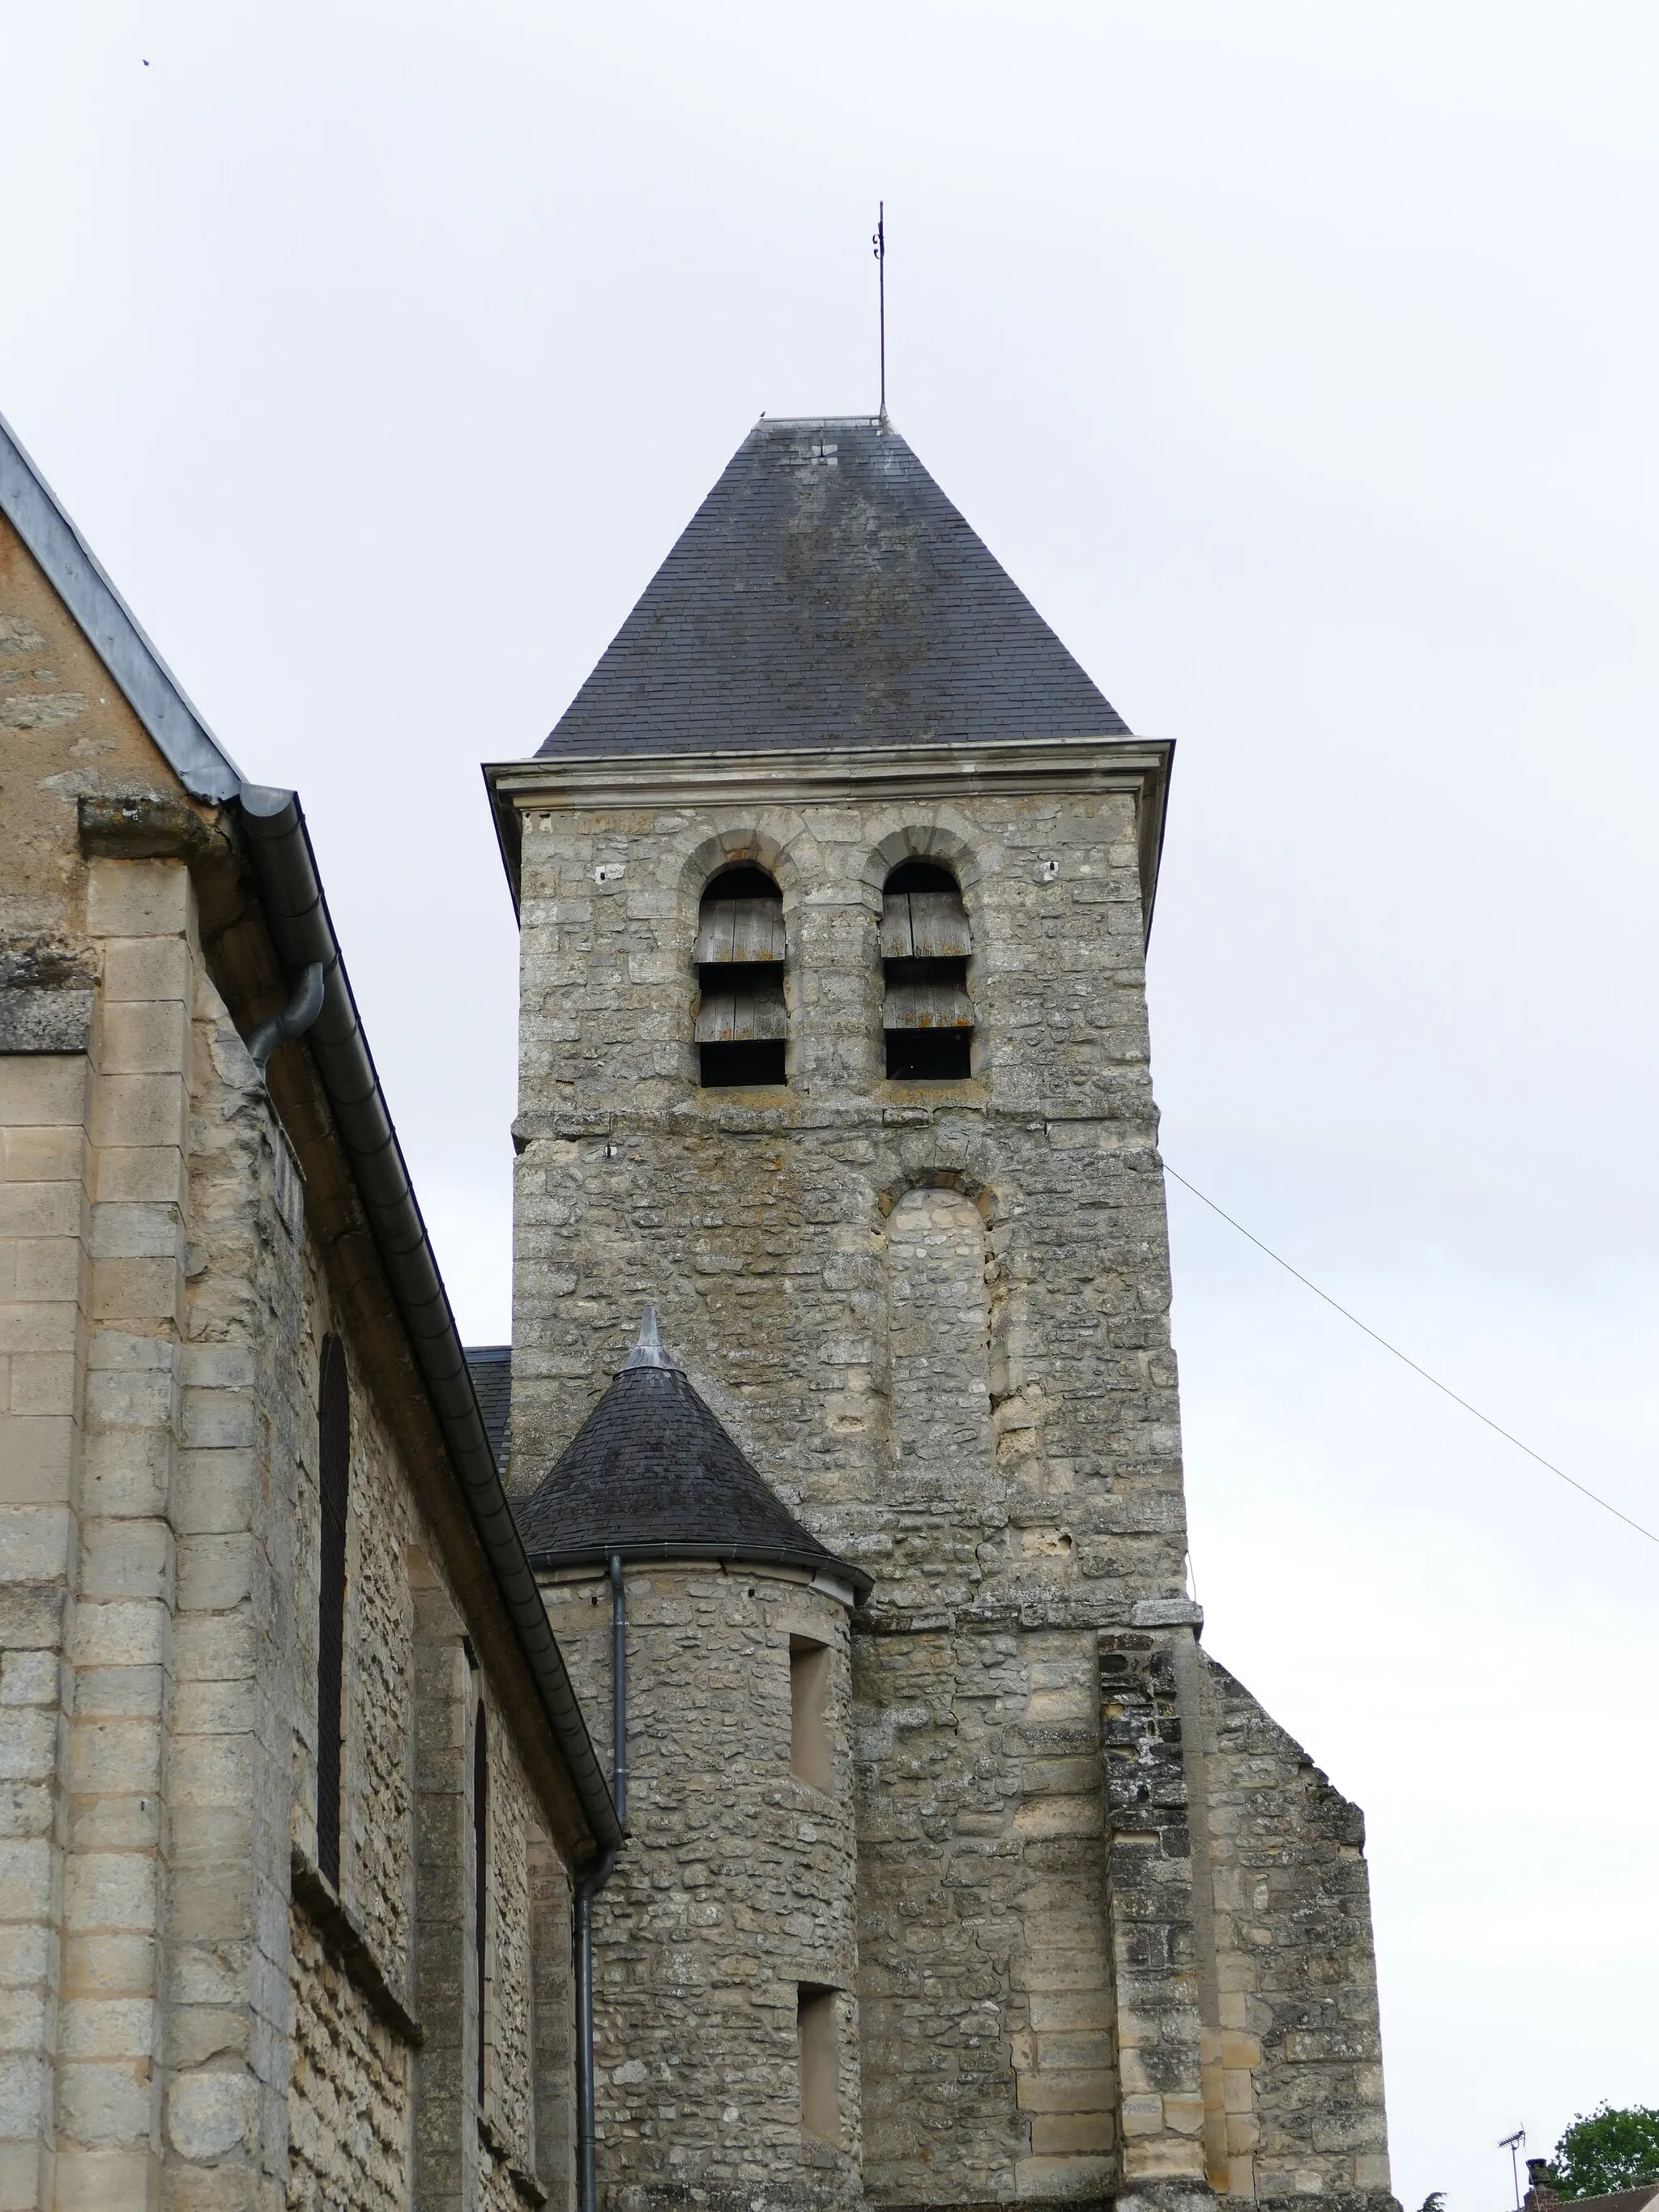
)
(927, 1014)
(334, 1484)
(742, 1025)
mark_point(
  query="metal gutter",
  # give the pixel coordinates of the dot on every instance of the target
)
(72, 569)
(297, 915)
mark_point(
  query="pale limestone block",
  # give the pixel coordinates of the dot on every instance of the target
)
(149, 1174)
(36, 1542)
(116, 1891)
(109, 1963)
(110, 1757)
(221, 1647)
(148, 968)
(213, 1707)
(1064, 2177)
(214, 1492)
(130, 1398)
(48, 1268)
(211, 2113)
(136, 1230)
(131, 1350)
(43, 1091)
(142, 1037)
(103, 2180)
(28, 1743)
(24, 2096)
(1058, 1816)
(24, 2020)
(1142, 2112)
(37, 1458)
(126, 1558)
(26, 1954)
(1056, 2092)
(140, 1109)
(120, 1692)
(137, 1289)
(1238, 2049)
(138, 898)
(216, 1572)
(43, 1155)
(106, 2027)
(41, 1383)
(104, 2104)
(214, 1770)
(219, 1419)
(218, 1367)
(51, 1325)
(1237, 2094)
(124, 1476)
(1371, 2170)
(40, 1209)
(123, 1823)
(126, 1632)
(1183, 2116)
(1065, 2134)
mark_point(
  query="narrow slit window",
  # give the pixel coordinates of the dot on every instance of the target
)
(808, 1702)
(742, 1027)
(481, 1889)
(820, 2063)
(927, 1017)
(333, 1482)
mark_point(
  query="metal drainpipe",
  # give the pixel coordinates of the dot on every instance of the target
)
(587, 1888)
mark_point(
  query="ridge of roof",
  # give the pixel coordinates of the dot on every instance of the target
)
(143, 679)
(653, 1473)
(829, 594)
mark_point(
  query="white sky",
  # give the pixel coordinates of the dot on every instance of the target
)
(1300, 361)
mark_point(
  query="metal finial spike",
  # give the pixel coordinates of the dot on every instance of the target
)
(650, 1350)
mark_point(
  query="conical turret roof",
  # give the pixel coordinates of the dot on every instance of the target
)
(652, 1475)
(827, 594)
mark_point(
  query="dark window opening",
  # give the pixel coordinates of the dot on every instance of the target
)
(742, 1025)
(820, 2062)
(927, 1017)
(333, 1482)
(929, 1055)
(920, 876)
(481, 1880)
(741, 1066)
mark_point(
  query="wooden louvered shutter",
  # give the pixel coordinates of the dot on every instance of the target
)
(334, 1482)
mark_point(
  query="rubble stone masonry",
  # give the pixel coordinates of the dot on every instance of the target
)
(936, 1316)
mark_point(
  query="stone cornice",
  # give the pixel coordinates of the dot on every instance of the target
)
(1017, 767)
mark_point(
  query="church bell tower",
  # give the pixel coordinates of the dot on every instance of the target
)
(834, 884)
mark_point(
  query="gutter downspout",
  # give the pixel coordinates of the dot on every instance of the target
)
(297, 915)
(296, 1019)
(587, 1888)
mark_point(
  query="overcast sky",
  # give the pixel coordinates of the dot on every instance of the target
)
(1300, 361)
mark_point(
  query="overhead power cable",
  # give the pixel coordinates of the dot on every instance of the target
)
(1406, 1359)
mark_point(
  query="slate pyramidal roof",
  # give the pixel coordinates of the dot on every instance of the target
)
(652, 1475)
(828, 594)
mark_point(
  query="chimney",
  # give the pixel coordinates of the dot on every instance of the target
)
(1540, 2196)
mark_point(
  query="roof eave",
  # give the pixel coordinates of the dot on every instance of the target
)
(665, 1552)
(149, 685)
(835, 776)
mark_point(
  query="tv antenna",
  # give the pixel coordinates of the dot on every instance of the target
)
(878, 240)
(1512, 2144)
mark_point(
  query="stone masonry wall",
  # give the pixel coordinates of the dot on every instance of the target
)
(1300, 2040)
(736, 1885)
(349, 2109)
(937, 1321)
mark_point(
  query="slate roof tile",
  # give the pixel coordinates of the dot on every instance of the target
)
(653, 1474)
(827, 593)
